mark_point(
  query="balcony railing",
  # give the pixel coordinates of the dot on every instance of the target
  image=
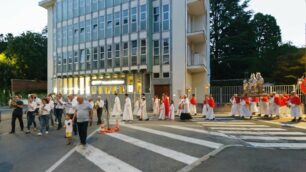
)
(196, 60)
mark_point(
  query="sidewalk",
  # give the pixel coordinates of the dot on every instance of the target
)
(286, 122)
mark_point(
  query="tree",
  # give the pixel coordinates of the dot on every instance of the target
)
(29, 51)
(232, 39)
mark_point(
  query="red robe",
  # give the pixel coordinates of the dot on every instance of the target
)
(247, 101)
(278, 101)
(237, 100)
(193, 101)
(255, 99)
(265, 99)
(211, 102)
(167, 106)
(295, 100)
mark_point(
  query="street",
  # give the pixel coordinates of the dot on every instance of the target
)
(226, 144)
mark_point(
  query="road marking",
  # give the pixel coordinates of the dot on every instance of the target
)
(60, 161)
(235, 125)
(285, 125)
(181, 157)
(229, 122)
(252, 129)
(105, 161)
(196, 130)
(263, 133)
(271, 138)
(222, 118)
(178, 137)
(279, 145)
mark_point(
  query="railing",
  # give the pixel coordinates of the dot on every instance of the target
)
(196, 60)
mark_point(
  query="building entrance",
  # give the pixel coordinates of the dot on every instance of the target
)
(160, 89)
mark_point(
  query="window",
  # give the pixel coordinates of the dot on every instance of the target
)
(94, 6)
(117, 2)
(125, 54)
(82, 7)
(101, 4)
(156, 52)
(166, 17)
(64, 10)
(59, 63)
(102, 57)
(109, 26)
(101, 27)
(143, 52)
(125, 21)
(70, 34)
(70, 9)
(88, 6)
(76, 62)
(82, 59)
(95, 58)
(88, 30)
(82, 32)
(117, 55)
(76, 34)
(76, 8)
(109, 3)
(59, 37)
(143, 17)
(166, 51)
(166, 75)
(59, 11)
(134, 53)
(134, 19)
(70, 61)
(95, 29)
(156, 19)
(156, 75)
(64, 62)
(117, 19)
(64, 36)
(88, 59)
(109, 56)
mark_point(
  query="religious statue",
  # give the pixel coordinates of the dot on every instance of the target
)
(254, 85)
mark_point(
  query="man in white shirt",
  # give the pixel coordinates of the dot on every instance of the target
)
(99, 105)
(59, 108)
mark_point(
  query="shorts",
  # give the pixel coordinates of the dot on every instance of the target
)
(68, 134)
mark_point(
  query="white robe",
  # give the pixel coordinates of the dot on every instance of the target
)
(186, 106)
(204, 110)
(127, 112)
(156, 107)
(172, 114)
(295, 110)
(179, 111)
(136, 108)
(117, 107)
(210, 113)
(244, 110)
(193, 109)
(264, 107)
(235, 107)
(254, 108)
(162, 112)
(143, 110)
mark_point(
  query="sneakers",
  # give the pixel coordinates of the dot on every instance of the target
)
(47, 132)
(39, 134)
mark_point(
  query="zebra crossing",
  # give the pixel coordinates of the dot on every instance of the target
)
(139, 147)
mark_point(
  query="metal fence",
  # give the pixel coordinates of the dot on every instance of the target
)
(222, 95)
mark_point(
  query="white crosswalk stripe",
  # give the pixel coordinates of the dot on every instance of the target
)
(272, 138)
(279, 145)
(263, 133)
(228, 122)
(181, 157)
(247, 129)
(177, 137)
(105, 161)
(234, 125)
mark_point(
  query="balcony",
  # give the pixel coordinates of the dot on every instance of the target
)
(46, 3)
(196, 63)
(195, 7)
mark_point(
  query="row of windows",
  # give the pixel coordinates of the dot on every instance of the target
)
(102, 27)
(110, 56)
(165, 75)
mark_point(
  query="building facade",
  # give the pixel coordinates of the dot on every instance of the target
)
(98, 47)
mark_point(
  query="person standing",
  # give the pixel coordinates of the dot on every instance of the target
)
(44, 117)
(264, 105)
(99, 105)
(180, 106)
(51, 102)
(17, 104)
(205, 106)
(156, 105)
(277, 105)
(127, 111)
(186, 109)
(193, 105)
(172, 109)
(143, 110)
(244, 107)
(68, 126)
(59, 108)
(295, 103)
(235, 100)
(253, 107)
(161, 110)
(70, 110)
(136, 107)
(167, 106)
(117, 107)
(37, 100)
(30, 113)
(210, 108)
(83, 114)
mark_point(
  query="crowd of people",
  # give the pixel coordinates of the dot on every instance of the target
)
(270, 106)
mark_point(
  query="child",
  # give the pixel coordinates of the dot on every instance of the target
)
(161, 110)
(172, 114)
(68, 126)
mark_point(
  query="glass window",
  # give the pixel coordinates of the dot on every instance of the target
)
(70, 34)
(95, 58)
(88, 30)
(64, 62)
(109, 56)
(95, 29)
(59, 37)
(166, 17)
(82, 32)
(88, 6)
(76, 8)
(82, 7)
(70, 9)
(143, 17)
(59, 11)
(117, 30)
(94, 5)
(134, 19)
(64, 10)
(64, 36)
(101, 27)
(88, 59)
(117, 2)
(102, 57)
(59, 62)
(70, 61)
(125, 54)
(134, 52)
(101, 4)
(82, 59)
(143, 52)
(156, 16)
(109, 26)
(166, 56)
(166, 75)
(156, 52)
(117, 55)
(76, 61)
(109, 3)
(125, 21)
(76, 33)
(156, 75)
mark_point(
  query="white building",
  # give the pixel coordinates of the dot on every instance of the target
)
(128, 46)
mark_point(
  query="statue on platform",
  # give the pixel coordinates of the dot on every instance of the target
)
(254, 85)
(260, 83)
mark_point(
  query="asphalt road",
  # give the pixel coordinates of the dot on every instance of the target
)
(225, 145)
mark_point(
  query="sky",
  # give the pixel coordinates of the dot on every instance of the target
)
(17, 16)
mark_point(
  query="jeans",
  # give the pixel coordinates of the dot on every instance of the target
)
(58, 116)
(82, 127)
(17, 114)
(31, 118)
(44, 123)
(99, 114)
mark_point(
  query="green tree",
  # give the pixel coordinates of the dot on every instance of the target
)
(29, 51)
(232, 39)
